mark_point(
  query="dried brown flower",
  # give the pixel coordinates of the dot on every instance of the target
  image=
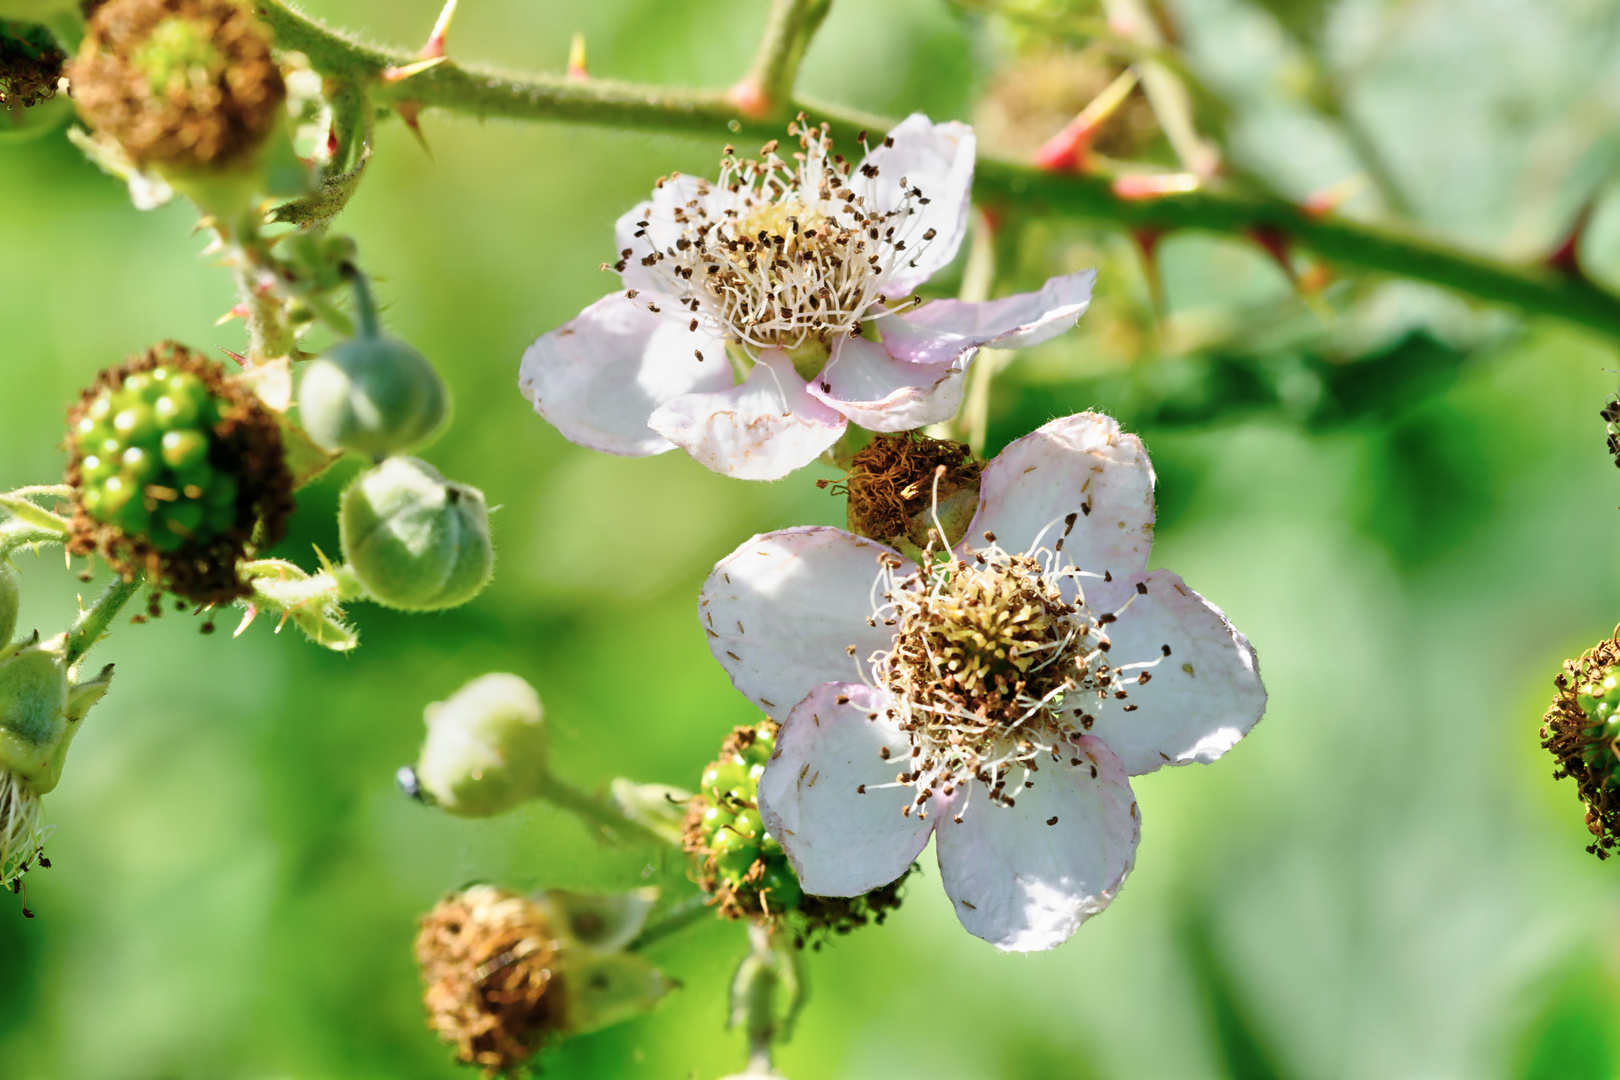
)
(490, 961)
(30, 65)
(189, 84)
(1584, 744)
(891, 486)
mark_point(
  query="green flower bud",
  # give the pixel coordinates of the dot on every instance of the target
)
(10, 600)
(416, 541)
(486, 748)
(373, 396)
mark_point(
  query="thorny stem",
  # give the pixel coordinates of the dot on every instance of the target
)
(486, 92)
(269, 335)
(608, 820)
(93, 620)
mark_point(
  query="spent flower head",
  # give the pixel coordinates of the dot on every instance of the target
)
(767, 309)
(187, 86)
(30, 65)
(1582, 732)
(996, 695)
(507, 974)
(178, 471)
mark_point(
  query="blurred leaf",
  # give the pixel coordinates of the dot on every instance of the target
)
(1244, 1052)
(1572, 1036)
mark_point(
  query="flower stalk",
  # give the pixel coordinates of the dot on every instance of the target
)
(93, 621)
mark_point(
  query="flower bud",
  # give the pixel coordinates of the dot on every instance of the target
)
(416, 541)
(186, 87)
(178, 472)
(10, 601)
(505, 974)
(374, 396)
(896, 490)
(486, 748)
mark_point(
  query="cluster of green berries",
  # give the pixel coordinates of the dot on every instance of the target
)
(1599, 699)
(144, 460)
(741, 864)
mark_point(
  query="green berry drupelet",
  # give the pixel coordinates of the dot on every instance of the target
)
(744, 869)
(178, 472)
(1582, 731)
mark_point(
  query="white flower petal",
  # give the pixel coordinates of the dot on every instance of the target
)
(1201, 699)
(600, 376)
(782, 610)
(938, 160)
(761, 430)
(942, 330)
(1082, 465)
(880, 393)
(842, 840)
(1024, 885)
(658, 235)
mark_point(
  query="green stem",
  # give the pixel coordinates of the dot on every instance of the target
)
(365, 305)
(608, 819)
(269, 335)
(93, 621)
(673, 921)
(486, 92)
(787, 36)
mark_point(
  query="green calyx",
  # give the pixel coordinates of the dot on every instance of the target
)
(147, 463)
(414, 540)
(41, 706)
(486, 749)
(741, 864)
(178, 54)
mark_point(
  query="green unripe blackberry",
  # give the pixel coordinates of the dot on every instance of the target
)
(372, 394)
(179, 472)
(415, 541)
(743, 868)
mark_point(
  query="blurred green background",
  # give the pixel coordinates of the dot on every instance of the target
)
(1402, 500)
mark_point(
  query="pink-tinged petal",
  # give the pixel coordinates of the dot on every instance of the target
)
(1023, 884)
(658, 235)
(1200, 699)
(880, 393)
(938, 160)
(783, 609)
(600, 376)
(942, 330)
(820, 797)
(1081, 465)
(761, 430)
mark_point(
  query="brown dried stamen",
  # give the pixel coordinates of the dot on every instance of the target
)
(30, 65)
(892, 489)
